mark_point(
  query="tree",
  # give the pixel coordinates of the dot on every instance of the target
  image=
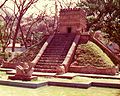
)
(103, 15)
(22, 7)
(67, 3)
(4, 36)
(5, 26)
(3, 3)
(40, 17)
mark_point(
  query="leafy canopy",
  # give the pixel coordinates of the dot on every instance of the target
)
(103, 15)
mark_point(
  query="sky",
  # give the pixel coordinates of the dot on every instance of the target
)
(40, 6)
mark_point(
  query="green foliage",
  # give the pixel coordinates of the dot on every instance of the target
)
(1, 24)
(91, 54)
(5, 55)
(4, 36)
(106, 15)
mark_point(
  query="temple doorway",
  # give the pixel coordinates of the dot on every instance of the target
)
(69, 29)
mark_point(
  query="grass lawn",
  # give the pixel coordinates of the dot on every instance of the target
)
(78, 79)
(58, 91)
(87, 79)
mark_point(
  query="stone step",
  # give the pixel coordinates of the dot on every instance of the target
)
(61, 42)
(58, 47)
(54, 55)
(48, 63)
(50, 54)
(66, 35)
(44, 66)
(52, 58)
(45, 70)
(62, 37)
(54, 51)
(55, 47)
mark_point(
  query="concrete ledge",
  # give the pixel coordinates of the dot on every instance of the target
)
(70, 75)
(73, 85)
(6, 69)
(104, 84)
(22, 84)
(63, 84)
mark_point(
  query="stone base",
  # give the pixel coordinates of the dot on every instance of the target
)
(23, 78)
(60, 70)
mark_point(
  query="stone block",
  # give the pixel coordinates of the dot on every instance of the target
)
(23, 78)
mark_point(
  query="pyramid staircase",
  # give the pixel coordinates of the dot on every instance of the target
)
(55, 53)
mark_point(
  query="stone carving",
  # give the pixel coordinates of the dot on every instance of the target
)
(114, 48)
(60, 70)
(75, 63)
(2, 61)
(24, 69)
(24, 72)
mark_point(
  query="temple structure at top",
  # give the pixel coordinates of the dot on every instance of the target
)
(72, 21)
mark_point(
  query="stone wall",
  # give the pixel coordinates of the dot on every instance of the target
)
(72, 18)
(111, 55)
(89, 69)
(10, 65)
(70, 55)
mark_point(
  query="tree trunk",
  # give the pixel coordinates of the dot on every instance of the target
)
(24, 41)
(3, 49)
(16, 32)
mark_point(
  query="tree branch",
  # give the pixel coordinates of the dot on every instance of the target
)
(3, 3)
